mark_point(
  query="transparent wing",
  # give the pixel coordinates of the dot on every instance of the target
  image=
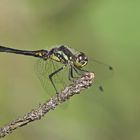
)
(42, 73)
(102, 72)
(43, 68)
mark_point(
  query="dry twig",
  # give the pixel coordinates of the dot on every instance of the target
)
(79, 84)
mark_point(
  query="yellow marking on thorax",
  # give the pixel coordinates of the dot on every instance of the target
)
(53, 57)
(65, 57)
(38, 54)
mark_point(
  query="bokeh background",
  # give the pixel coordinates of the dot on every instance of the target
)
(109, 31)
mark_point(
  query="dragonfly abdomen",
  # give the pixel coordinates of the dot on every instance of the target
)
(39, 53)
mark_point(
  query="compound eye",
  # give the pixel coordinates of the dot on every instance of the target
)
(82, 59)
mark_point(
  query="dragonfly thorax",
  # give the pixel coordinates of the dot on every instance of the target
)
(59, 56)
(66, 56)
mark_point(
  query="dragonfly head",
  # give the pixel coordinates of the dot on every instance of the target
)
(80, 60)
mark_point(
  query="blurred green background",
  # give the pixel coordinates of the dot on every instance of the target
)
(109, 31)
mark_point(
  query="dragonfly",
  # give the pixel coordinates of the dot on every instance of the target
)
(74, 61)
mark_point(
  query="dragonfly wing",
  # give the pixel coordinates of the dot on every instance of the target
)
(102, 72)
(43, 68)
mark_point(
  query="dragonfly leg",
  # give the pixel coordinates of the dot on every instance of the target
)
(70, 74)
(51, 76)
(77, 71)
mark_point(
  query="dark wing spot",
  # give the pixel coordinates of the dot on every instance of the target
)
(101, 88)
(110, 68)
